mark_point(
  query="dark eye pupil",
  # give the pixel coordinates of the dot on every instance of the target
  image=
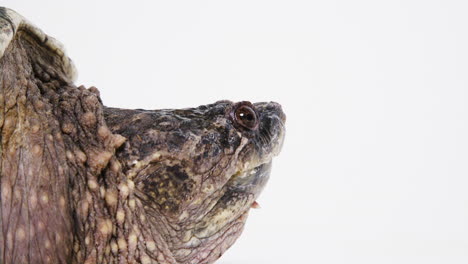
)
(246, 116)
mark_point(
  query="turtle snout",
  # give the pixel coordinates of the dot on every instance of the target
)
(271, 109)
(271, 126)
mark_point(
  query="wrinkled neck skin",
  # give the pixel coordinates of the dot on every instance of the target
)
(69, 193)
(55, 147)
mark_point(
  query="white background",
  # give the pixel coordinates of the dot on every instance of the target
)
(374, 167)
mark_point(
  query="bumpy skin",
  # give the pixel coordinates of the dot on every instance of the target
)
(85, 183)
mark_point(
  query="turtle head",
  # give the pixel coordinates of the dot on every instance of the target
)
(199, 170)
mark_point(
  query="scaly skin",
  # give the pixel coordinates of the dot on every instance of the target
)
(85, 183)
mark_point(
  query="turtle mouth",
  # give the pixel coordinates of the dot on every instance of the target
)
(240, 194)
(219, 228)
(250, 181)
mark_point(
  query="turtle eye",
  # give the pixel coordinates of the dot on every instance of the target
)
(246, 116)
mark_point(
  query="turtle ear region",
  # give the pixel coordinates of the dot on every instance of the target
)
(167, 185)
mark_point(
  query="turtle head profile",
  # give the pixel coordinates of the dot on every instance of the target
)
(84, 183)
(199, 169)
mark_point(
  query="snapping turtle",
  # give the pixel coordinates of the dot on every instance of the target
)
(86, 183)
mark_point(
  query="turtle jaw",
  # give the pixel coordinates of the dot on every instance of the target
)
(220, 227)
(241, 191)
(251, 181)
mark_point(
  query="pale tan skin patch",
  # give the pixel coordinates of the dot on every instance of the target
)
(105, 226)
(145, 260)
(47, 243)
(92, 184)
(44, 198)
(20, 233)
(120, 216)
(122, 244)
(40, 226)
(150, 245)
(114, 247)
(111, 198)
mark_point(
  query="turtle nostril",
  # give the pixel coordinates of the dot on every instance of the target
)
(278, 110)
(281, 114)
